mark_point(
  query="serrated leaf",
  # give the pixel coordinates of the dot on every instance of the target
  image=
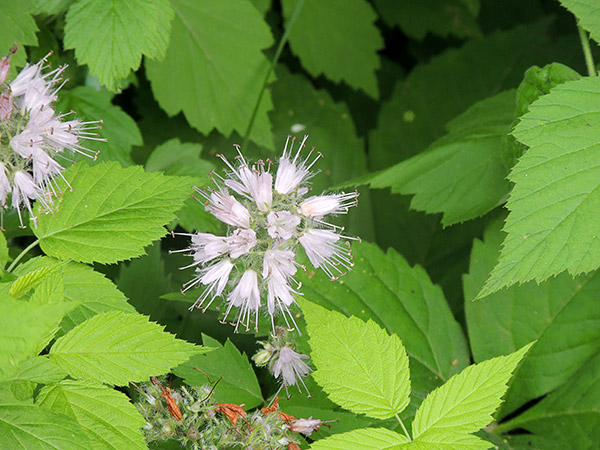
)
(447, 440)
(39, 369)
(26, 282)
(27, 426)
(112, 421)
(3, 251)
(551, 226)
(466, 402)
(587, 13)
(26, 329)
(128, 29)
(210, 41)
(440, 17)
(322, 34)
(374, 365)
(508, 319)
(462, 174)
(383, 287)
(116, 347)
(50, 7)
(365, 439)
(18, 27)
(238, 384)
(118, 128)
(111, 214)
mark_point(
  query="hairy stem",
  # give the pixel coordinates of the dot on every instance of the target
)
(282, 43)
(587, 52)
(23, 253)
(406, 433)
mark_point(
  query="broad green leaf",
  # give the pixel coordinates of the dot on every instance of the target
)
(27, 426)
(26, 282)
(116, 347)
(462, 174)
(324, 32)
(360, 366)
(384, 288)
(50, 7)
(201, 73)
(111, 36)
(238, 385)
(510, 318)
(447, 440)
(440, 17)
(365, 439)
(3, 251)
(587, 13)
(18, 27)
(39, 369)
(26, 329)
(466, 402)
(569, 415)
(118, 128)
(551, 226)
(112, 421)
(111, 214)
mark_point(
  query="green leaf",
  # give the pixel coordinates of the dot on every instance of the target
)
(27, 426)
(210, 42)
(569, 415)
(111, 214)
(466, 402)
(50, 7)
(587, 13)
(462, 174)
(365, 439)
(116, 348)
(26, 282)
(384, 288)
(39, 369)
(18, 27)
(440, 17)
(238, 385)
(26, 329)
(551, 226)
(118, 128)
(112, 421)
(510, 318)
(359, 365)
(128, 29)
(447, 441)
(324, 31)
(3, 251)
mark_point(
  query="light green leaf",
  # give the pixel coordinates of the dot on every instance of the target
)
(111, 36)
(587, 13)
(118, 128)
(210, 42)
(359, 365)
(384, 288)
(440, 17)
(462, 174)
(466, 402)
(18, 27)
(116, 348)
(3, 251)
(365, 439)
(324, 32)
(26, 282)
(112, 421)
(551, 226)
(111, 214)
(50, 7)
(26, 329)
(447, 440)
(27, 426)
(510, 318)
(39, 369)
(238, 385)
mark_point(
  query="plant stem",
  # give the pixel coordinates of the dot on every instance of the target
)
(587, 52)
(403, 427)
(282, 43)
(23, 253)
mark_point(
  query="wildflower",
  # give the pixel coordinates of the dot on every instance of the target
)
(232, 411)
(290, 367)
(269, 221)
(305, 426)
(33, 137)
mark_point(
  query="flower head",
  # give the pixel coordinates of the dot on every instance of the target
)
(269, 221)
(33, 137)
(290, 368)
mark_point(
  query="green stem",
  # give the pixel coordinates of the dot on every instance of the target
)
(587, 52)
(23, 253)
(282, 43)
(403, 428)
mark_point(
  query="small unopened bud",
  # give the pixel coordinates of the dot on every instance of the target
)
(167, 429)
(195, 407)
(193, 434)
(262, 357)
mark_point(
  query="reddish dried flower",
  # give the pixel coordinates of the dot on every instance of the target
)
(232, 411)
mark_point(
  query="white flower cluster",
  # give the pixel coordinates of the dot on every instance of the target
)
(268, 221)
(32, 136)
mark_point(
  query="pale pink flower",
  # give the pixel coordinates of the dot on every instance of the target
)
(282, 224)
(246, 297)
(290, 367)
(207, 247)
(241, 242)
(305, 426)
(215, 279)
(227, 209)
(323, 250)
(321, 205)
(292, 173)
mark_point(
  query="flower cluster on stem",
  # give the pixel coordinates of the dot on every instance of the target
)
(33, 137)
(269, 218)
